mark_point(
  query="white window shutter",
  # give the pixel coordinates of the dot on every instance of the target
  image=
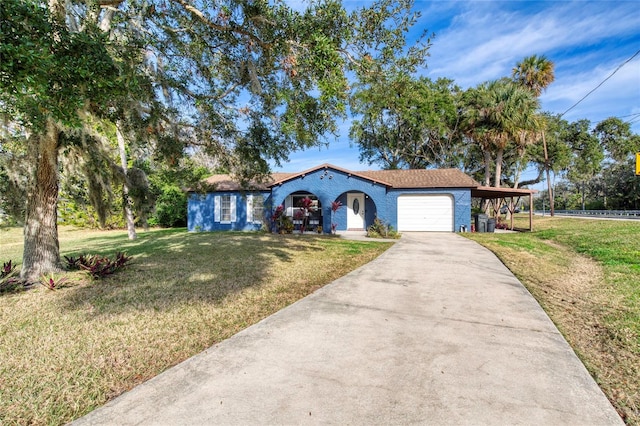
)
(250, 208)
(216, 208)
(233, 208)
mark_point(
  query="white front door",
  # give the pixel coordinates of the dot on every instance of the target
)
(355, 211)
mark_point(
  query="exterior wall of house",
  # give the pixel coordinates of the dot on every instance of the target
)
(330, 185)
(461, 205)
(327, 185)
(204, 215)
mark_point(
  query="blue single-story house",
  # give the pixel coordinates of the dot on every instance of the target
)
(409, 200)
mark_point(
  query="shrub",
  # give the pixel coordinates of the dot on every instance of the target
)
(98, 266)
(335, 206)
(73, 263)
(282, 222)
(51, 282)
(379, 229)
(276, 218)
(171, 207)
(287, 225)
(9, 283)
(501, 224)
(8, 269)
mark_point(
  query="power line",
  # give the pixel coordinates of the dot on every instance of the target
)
(634, 117)
(629, 115)
(623, 117)
(629, 118)
(602, 82)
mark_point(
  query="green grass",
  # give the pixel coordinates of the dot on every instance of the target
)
(66, 352)
(586, 275)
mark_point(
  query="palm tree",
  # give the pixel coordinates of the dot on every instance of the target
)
(495, 114)
(512, 115)
(536, 73)
(475, 123)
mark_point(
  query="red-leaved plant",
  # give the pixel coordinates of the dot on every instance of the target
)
(98, 266)
(335, 206)
(306, 205)
(51, 282)
(8, 269)
(276, 217)
(8, 282)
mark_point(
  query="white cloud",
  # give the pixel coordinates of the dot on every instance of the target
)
(618, 96)
(586, 40)
(478, 41)
(484, 41)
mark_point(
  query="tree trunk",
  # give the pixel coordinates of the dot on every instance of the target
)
(41, 247)
(517, 175)
(487, 168)
(546, 169)
(498, 167)
(128, 214)
(487, 178)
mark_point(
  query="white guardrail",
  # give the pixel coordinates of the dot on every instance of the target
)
(614, 214)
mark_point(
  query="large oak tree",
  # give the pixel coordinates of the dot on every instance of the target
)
(245, 81)
(405, 122)
(52, 78)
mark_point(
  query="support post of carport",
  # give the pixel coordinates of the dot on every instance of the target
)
(491, 193)
(511, 213)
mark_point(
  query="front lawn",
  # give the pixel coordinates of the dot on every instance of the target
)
(586, 275)
(65, 352)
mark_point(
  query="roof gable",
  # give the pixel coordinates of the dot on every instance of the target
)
(330, 166)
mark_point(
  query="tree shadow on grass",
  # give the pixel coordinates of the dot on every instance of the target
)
(108, 243)
(171, 269)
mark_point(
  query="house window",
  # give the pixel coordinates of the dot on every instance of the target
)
(257, 208)
(225, 208)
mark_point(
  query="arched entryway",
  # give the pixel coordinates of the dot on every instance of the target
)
(357, 212)
(304, 209)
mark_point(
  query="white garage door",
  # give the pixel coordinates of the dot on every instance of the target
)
(425, 213)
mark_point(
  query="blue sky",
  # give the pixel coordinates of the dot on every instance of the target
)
(477, 41)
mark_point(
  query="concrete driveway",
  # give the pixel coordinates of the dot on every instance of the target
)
(434, 331)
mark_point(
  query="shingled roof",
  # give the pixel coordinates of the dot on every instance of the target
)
(421, 178)
(225, 182)
(416, 178)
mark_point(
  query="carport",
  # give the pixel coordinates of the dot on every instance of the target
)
(496, 197)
